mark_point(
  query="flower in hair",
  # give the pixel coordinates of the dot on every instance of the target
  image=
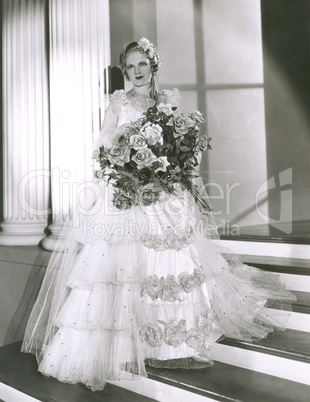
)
(149, 49)
(145, 44)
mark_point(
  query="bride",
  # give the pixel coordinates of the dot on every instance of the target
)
(123, 291)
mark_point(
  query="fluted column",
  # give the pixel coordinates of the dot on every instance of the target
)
(79, 55)
(25, 123)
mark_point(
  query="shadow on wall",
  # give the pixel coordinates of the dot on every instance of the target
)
(116, 79)
(17, 325)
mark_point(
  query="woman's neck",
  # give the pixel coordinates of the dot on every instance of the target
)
(143, 91)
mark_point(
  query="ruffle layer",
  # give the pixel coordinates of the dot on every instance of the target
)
(93, 357)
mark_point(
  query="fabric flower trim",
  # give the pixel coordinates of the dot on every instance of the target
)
(175, 333)
(170, 288)
(152, 334)
(170, 240)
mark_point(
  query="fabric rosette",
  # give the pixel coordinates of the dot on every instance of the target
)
(175, 332)
(153, 287)
(171, 289)
(190, 282)
(206, 322)
(197, 340)
(152, 334)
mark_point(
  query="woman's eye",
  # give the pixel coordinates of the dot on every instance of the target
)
(143, 63)
(129, 67)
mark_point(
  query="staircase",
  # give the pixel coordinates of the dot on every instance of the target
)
(276, 369)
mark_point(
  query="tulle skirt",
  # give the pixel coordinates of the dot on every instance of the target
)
(146, 286)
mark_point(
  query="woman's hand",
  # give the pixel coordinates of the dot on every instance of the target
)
(120, 133)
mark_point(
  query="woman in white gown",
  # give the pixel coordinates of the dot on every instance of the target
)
(142, 285)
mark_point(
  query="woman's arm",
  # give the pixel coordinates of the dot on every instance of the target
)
(110, 119)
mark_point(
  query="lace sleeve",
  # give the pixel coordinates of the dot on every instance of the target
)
(107, 133)
(104, 137)
(171, 96)
(117, 100)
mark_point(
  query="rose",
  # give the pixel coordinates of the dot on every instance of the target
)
(128, 192)
(150, 194)
(122, 202)
(197, 116)
(171, 289)
(122, 132)
(180, 125)
(144, 157)
(153, 133)
(137, 141)
(175, 332)
(152, 334)
(114, 154)
(203, 143)
(153, 114)
(165, 108)
(144, 175)
(118, 155)
(161, 164)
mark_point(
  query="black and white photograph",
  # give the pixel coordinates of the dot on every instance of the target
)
(154, 200)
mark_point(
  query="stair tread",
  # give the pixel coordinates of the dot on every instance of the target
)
(303, 298)
(19, 371)
(224, 382)
(291, 344)
(279, 262)
(302, 305)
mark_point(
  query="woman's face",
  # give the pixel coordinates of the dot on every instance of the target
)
(138, 68)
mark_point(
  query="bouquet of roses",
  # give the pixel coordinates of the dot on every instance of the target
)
(155, 155)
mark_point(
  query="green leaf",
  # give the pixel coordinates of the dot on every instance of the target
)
(184, 148)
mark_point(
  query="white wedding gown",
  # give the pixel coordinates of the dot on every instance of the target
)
(143, 286)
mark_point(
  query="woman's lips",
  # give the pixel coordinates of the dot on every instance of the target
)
(139, 77)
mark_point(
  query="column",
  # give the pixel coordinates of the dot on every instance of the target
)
(79, 55)
(25, 123)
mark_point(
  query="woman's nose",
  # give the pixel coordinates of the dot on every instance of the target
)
(137, 70)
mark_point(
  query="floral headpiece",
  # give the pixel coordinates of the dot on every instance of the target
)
(149, 49)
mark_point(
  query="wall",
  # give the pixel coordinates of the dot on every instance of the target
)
(21, 273)
(253, 93)
(286, 40)
(218, 71)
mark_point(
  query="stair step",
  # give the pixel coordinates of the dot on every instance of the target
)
(282, 354)
(224, 382)
(221, 382)
(283, 269)
(18, 371)
(289, 344)
(302, 305)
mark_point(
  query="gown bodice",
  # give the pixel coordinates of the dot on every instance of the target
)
(130, 107)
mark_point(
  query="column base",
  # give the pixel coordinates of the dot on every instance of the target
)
(53, 240)
(21, 234)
